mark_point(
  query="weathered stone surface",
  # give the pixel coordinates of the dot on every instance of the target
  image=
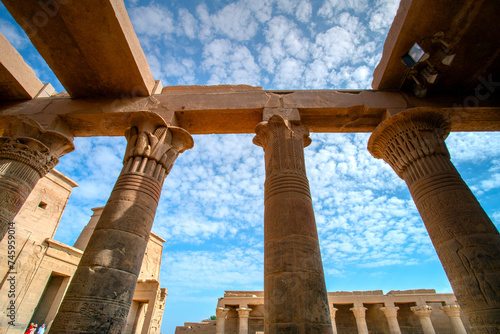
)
(208, 89)
(18, 80)
(466, 241)
(27, 153)
(92, 52)
(294, 285)
(465, 24)
(453, 312)
(240, 112)
(107, 274)
(391, 312)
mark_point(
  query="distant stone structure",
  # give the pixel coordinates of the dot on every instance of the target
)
(45, 266)
(421, 311)
(93, 50)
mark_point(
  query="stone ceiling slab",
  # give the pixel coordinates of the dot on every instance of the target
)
(90, 45)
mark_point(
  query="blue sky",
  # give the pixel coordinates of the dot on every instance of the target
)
(211, 211)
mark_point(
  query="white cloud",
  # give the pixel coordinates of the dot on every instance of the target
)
(330, 8)
(469, 147)
(188, 23)
(13, 35)
(235, 21)
(232, 268)
(153, 20)
(382, 15)
(289, 73)
(285, 39)
(230, 63)
(304, 11)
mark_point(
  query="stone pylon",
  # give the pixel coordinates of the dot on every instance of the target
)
(27, 153)
(465, 239)
(99, 296)
(295, 296)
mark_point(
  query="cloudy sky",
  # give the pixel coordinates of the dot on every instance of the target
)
(211, 211)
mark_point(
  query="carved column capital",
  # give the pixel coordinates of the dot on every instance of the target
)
(333, 311)
(221, 312)
(244, 312)
(452, 311)
(359, 311)
(409, 136)
(390, 311)
(25, 141)
(283, 143)
(153, 147)
(422, 311)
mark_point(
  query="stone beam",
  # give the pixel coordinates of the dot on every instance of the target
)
(18, 81)
(240, 112)
(470, 29)
(90, 45)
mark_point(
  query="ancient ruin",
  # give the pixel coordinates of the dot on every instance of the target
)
(46, 266)
(112, 92)
(396, 312)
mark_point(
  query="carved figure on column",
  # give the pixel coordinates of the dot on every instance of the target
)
(466, 240)
(100, 294)
(295, 297)
(27, 153)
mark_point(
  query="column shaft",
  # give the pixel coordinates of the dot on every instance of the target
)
(453, 313)
(99, 296)
(466, 241)
(221, 314)
(243, 314)
(333, 311)
(391, 313)
(295, 296)
(359, 314)
(424, 315)
(27, 153)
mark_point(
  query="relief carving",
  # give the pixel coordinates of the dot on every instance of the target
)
(409, 136)
(24, 140)
(153, 150)
(283, 143)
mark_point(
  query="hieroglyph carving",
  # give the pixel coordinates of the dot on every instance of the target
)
(295, 298)
(466, 241)
(107, 273)
(283, 155)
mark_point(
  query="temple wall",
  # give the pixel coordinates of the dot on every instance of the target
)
(374, 303)
(44, 266)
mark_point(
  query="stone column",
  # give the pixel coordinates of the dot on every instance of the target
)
(359, 314)
(333, 311)
(453, 312)
(221, 313)
(391, 313)
(295, 298)
(27, 153)
(466, 241)
(243, 314)
(100, 294)
(424, 315)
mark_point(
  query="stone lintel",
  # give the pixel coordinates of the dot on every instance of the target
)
(18, 80)
(90, 46)
(63, 252)
(240, 112)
